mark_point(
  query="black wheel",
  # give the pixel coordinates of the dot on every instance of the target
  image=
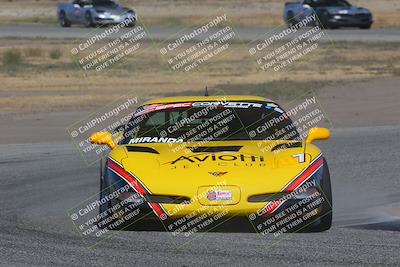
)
(322, 21)
(324, 223)
(290, 20)
(62, 18)
(88, 20)
(132, 24)
(103, 207)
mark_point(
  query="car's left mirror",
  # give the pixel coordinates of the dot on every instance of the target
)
(317, 134)
(102, 138)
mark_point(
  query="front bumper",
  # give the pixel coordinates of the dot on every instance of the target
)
(115, 19)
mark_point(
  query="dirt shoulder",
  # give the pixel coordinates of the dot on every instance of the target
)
(369, 102)
(185, 13)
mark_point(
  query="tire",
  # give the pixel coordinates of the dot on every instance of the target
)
(322, 21)
(325, 222)
(64, 22)
(132, 24)
(290, 19)
(103, 193)
(104, 190)
(89, 20)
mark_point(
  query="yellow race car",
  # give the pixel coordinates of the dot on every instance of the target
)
(194, 162)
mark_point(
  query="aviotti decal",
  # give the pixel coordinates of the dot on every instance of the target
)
(214, 157)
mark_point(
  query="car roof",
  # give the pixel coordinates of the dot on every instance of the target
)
(180, 99)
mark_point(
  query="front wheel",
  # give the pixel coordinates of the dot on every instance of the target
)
(88, 20)
(290, 20)
(324, 222)
(62, 18)
(322, 22)
(132, 24)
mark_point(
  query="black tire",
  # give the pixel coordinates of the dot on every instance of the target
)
(322, 20)
(103, 207)
(324, 223)
(132, 24)
(290, 19)
(89, 20)
(62, 19)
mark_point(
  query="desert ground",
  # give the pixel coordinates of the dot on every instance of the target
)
(45, 91)
(178, 13)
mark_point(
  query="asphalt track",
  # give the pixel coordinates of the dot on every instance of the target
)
(159, 33)
(39, 182)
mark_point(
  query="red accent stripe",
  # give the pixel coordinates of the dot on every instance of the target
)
(132, 181)
(305, 175)
(272, 206)
(158, 210)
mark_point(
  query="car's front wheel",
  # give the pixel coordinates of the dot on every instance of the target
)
(63, 20)
(290, 19)
(324, 222)
(89, 20)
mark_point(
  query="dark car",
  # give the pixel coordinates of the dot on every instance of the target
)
(331, 14)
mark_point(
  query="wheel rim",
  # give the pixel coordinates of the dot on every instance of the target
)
(62, 19)
(88, 19)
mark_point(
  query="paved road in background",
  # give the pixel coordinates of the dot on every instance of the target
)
(246, 34)
(39, 182)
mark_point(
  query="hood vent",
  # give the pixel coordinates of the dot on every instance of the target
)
(214, 149)
(286, 146)
(142, 149)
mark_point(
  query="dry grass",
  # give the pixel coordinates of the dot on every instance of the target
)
(188, 12)
(43, 83)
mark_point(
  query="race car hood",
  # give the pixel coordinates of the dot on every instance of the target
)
(180, 169)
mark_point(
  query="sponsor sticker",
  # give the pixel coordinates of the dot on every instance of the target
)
(216, 195)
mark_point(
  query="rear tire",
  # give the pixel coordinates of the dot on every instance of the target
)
(64, 22)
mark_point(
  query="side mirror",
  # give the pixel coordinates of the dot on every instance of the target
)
(317, 134)
(102, 138)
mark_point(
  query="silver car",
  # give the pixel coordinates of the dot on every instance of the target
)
(94, 12)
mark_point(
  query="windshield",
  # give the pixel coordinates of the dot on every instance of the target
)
(324, 3)
(210, 121)
(102, 3)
